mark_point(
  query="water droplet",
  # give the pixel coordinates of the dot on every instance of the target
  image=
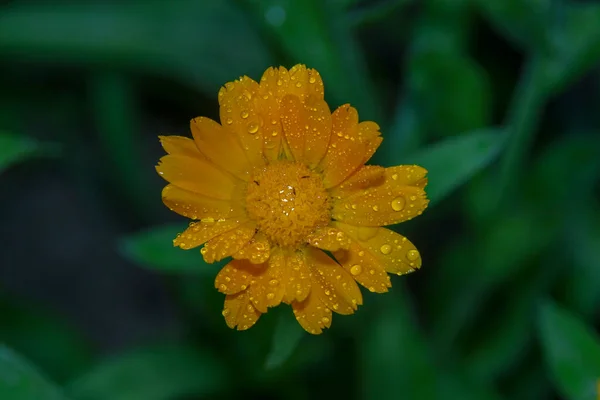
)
(229, 121)
(312, 79)
(250, 308)
(386, 249)
(270, 296)
(412, 255)
(325, 320)
(371, 288)
(222, 288)
(252, 128)
(375, 208)
(361, 253)
(279, 82)
(398, 203)
(244, 114)
(299, 84)
(355, 269)
(225, 312)
(395, 176)
(273, 282)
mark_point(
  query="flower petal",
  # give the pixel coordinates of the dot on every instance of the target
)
(237, 275)
(305, 82)
(200, 232)
(329, 238)
(393, 251)
(365, 268)
(339, 291)
(351, 145)
(239, 311)
(296, 274)
(196, 206)
(364, 178)
(197, 175)
(228, 243)
(267, 289)
(179, 145)
(312, 314)
(399, 198)
(220, 146)
(257, 251)
(239, 114)
(307, 128)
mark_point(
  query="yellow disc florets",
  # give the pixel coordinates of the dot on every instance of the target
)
(288, 202)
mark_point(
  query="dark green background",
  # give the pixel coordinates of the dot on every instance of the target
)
(498, 99)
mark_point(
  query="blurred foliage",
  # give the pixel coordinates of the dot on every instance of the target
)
(498, 99)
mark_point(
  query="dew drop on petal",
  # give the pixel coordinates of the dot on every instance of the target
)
(325, 320)
(252, 128)
(244, 114)
(270, 296)
(412, 255)
(386, 249)
(356, 269)
(225, 312)
(398, 203)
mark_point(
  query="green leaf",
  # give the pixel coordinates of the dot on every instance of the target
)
(451, 91)
(21, 381)
(454, 161)
(572, 352)
(286, 339)
(195, 42)
(16, 148)
(155, 373)
(154, 248)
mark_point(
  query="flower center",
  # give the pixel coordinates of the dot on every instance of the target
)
(288, 202)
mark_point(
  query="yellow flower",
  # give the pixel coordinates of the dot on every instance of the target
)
(277, 182)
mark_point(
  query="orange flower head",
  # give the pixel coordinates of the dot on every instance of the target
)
(280, 181)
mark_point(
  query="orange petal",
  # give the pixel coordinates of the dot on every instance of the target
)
(267, 289)
(200, 232)
(257, 251)
(196, 206)
(312, 314)
(364, 178)
(180, 145)
(296, 274)
(220, 146)
(239, 311)
(236, 276)
(293, 125)
(240, 116)
(197, 175)
(228, 243)
(398, 199)
(305, 82)
(393, 251)
(339, 291)
(365, 268)
(350, 146)
(329, 238)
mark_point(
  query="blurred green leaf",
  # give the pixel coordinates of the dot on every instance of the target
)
(454, 161)
(314, 33)
(45, 339)
(21, 381)
(17, 148)
(286, 339)
(178, 39)
(572, 352)
(451, 91)
(155, 373)
(154, 248)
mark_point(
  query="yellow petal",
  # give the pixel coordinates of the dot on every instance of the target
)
(364, 178)
(239, 115)
(305, 82)
(329, 238)
(257, 251)
(197, 175)
(237, 275)
(239, 311)
(228, 243)
(312, 314)
(296, 274)
(395, 253)
(350, 146)
(339, 291)
(220, 146)
(180, 145)
(293, 125)
(196, 206)
(200, 232)
(396, 200)
(267, 289)
(364, 267)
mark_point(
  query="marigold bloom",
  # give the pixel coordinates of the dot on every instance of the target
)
(277, 182)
